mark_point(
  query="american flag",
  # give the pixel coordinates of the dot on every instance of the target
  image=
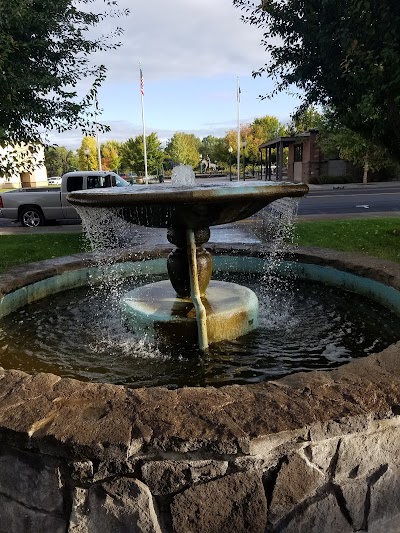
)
(141, 83)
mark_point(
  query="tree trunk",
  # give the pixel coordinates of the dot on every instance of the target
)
(366, 168)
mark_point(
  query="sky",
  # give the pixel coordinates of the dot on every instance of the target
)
(192, 52)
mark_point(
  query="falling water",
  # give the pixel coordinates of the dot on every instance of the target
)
(105, 233)
(276, 229)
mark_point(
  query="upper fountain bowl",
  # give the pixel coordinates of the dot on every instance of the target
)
(191, 207)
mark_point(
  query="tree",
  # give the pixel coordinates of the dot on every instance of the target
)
(232, 139)
(133, 154)
(44, 51)
(305, 120)
(17, 159)
(268, 128)
(208, 147)
(110, 155)
(336, 140)
(89, 161)
(343, 54)
(59, 160)
(221, 152)
(259, 131)
(184, 148)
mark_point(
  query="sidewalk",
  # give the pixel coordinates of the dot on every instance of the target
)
(372, 185)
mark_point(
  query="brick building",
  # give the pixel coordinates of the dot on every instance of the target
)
(304, 159)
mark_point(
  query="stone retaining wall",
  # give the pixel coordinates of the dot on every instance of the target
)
(312, 452)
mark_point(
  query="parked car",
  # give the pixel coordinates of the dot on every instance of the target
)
(34, 206)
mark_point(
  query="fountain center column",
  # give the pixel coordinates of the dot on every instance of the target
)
(178, 262)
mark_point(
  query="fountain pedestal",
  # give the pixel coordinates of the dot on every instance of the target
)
(178, 261)
(166, 310)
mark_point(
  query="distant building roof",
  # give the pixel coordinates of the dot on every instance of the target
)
(288, 140)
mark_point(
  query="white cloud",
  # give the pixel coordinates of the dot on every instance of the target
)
(181, 38)
(180, 44)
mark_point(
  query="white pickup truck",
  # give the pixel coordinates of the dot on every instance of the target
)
(33, 207)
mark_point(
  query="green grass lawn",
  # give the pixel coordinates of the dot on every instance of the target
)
(377, 237)
(18, 249)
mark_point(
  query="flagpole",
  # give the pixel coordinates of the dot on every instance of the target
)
(144, 129)
(238, 129)
(96, 109)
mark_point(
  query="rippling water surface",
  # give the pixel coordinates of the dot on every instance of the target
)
(79, 334)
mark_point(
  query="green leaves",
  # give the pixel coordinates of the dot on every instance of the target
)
(183, 148)
(340, 53)
(133, 155)
(45, 51)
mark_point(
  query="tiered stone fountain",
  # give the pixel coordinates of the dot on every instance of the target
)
(314, 452)
(172, 309)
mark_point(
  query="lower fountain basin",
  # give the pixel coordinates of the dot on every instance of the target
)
(154, 311)
(105, 353)
(157, 458)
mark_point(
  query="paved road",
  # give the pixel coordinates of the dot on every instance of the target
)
(359, 200)
(322, 202)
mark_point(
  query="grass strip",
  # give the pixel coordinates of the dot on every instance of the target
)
(379, 237)
(19, 249)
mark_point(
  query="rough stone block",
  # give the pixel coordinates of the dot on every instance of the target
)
(355, 495)
(233, 503)
(391, 525)
(31, 479)
(296, 481)
(323, 516)
(322, 453)
(122, 506)
(360, 455)
(17, 518)
(385, 501)
(166, 477)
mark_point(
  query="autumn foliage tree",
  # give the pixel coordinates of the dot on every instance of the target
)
(88, 161)
(110, 155)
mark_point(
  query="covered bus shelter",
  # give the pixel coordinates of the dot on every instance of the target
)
(266, 156)
(305, 160)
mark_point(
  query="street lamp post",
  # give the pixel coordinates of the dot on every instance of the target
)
(201, 159)
(87, 153)
(244, 143)
(230, 150)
